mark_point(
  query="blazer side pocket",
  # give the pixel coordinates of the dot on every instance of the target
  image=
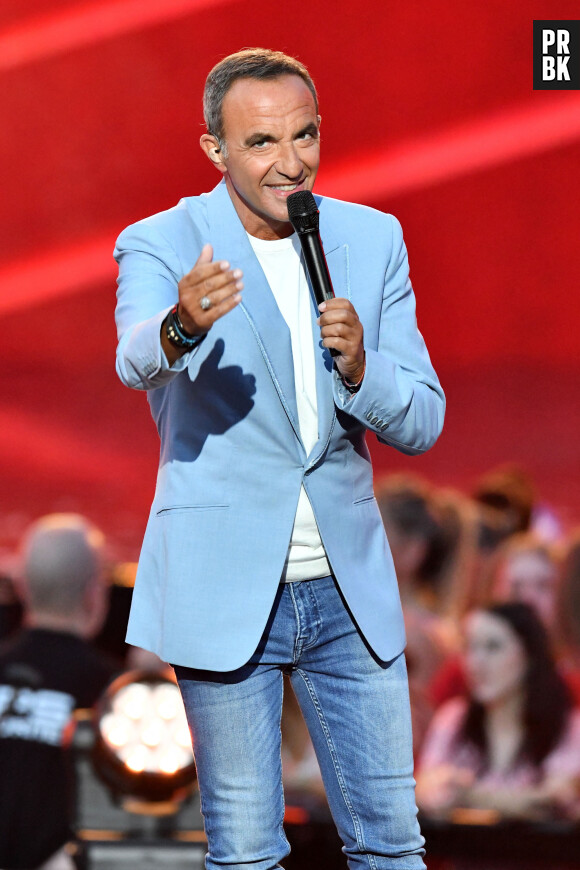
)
(172, 510)
(364, 499)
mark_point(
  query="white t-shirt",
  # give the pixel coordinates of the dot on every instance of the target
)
(280, 261)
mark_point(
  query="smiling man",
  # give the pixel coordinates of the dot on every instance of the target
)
(272, 149)
(265, 553)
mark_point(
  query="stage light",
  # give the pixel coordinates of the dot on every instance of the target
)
(143, 747)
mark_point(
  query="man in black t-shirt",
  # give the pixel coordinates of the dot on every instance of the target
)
(47, 671)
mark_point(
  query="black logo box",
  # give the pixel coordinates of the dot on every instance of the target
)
(573, 63)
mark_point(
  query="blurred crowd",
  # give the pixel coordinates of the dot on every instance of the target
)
(491, 601)
(490, 587)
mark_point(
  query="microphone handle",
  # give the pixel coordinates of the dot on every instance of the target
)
(316, 266)
(317, 269)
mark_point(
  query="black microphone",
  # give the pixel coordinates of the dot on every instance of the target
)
(303, 215)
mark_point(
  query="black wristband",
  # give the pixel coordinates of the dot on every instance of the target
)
(177, 335)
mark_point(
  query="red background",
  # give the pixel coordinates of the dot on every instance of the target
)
(100, 129)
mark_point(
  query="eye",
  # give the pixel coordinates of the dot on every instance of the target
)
(493, 646)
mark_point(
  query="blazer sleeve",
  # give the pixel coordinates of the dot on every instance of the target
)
(400, 398)
(149, 272)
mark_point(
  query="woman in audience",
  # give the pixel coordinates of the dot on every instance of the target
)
(512, 745)
(527, 570)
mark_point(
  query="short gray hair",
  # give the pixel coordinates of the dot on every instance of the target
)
(250, 63)
(62, 558)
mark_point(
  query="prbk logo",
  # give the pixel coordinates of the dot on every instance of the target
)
(556, 55)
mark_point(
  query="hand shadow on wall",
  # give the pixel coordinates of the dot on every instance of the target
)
(210, 404)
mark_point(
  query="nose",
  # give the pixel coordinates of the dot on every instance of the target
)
(288, 163)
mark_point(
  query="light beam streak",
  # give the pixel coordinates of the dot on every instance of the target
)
(44, 36)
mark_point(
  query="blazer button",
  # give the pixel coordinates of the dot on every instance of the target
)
(374, 420)
(369, 416)
(384, 426)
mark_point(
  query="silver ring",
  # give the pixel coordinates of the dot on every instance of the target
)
(205, 303)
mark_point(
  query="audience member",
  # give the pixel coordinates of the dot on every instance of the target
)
(46, 671)
(526, 570)
(491, 531)
(10, 607)
(508, 489)
(513, 745)
(461, 518)
(422, 540)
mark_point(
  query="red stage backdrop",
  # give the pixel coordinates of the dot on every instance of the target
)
(428, 112)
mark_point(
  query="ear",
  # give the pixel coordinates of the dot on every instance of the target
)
(211, 147)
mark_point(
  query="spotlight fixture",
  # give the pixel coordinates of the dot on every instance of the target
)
(143, 746)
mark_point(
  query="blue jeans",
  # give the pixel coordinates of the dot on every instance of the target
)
(357, 712)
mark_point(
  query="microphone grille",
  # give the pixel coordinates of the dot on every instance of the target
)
(303, 211)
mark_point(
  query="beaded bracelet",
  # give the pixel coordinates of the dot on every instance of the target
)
(353, 388)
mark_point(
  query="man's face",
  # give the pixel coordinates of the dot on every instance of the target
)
(273, 149)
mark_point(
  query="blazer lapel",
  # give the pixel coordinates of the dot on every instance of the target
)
(231, 243)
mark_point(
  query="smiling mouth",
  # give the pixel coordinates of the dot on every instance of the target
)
(286, 188)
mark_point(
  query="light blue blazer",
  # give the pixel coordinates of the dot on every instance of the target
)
(232, 460)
